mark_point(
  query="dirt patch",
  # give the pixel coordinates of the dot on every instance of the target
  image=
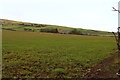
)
(107, 68)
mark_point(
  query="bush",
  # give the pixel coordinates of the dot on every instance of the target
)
(50, 30)
(75, 31)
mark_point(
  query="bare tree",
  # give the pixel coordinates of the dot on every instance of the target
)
(117, 36)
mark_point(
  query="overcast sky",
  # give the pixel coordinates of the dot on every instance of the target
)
(87, 14)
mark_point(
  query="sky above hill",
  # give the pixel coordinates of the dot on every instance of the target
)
(87, 14)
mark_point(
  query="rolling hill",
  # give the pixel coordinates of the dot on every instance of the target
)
(25, 26)
(31, 50)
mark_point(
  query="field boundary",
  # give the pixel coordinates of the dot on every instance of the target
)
(97, 70)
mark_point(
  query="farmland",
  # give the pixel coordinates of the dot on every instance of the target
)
(49, 55)
(35, 27)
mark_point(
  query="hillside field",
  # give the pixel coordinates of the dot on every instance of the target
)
(35, 27)
(50, 55)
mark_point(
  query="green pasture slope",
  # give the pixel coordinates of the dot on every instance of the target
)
(50, 55)
(19, 26)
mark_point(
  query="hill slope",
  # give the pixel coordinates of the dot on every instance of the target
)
(25, 26)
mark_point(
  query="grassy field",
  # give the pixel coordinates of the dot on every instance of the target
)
(19, 26)
(39, 55)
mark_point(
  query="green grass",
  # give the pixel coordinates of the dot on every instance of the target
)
(37, 54)
(15, 25)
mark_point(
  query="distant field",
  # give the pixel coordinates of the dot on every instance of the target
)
(37, 54)
(33, 27)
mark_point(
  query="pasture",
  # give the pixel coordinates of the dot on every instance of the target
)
(50, 55)
(25, 26)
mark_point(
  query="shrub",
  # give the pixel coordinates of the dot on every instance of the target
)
(75, 31)
(50, 30)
